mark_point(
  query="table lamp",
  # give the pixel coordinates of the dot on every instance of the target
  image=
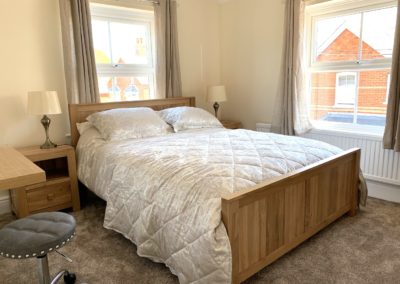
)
(216, 94)
(44, 103)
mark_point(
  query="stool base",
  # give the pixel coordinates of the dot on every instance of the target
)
(44, 274)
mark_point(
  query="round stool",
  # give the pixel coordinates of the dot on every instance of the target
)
(36, 236)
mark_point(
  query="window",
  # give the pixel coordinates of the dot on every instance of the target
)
(345, 89)
(350, 45)
(123, 46)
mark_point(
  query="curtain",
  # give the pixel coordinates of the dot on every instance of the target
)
(291, 113)
(391, 137)
(168, 74)
(79, 60)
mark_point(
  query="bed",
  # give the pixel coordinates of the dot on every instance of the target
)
(263, 221)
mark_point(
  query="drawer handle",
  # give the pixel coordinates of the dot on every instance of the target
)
(50, 196)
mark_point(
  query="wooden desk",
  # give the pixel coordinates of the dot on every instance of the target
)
(16, 170)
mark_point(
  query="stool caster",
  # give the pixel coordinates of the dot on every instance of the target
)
(69, 278)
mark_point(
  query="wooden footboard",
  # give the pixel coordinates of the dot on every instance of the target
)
(270, 219)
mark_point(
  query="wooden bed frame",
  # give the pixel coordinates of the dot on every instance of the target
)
(266, 221)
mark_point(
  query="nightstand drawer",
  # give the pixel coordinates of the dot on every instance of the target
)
(49, 194)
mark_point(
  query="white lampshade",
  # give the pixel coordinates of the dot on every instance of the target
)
(44, 102)
(216, 94)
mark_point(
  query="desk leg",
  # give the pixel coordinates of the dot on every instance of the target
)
(19, 203)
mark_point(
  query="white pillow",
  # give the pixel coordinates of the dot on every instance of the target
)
(182, 118)
(128, 123)
(83, 126)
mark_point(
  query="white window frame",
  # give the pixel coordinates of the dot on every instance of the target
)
(387, 88)
(338, 97)
(132, 16)
(329, 9)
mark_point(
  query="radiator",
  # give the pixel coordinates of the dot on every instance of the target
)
(377, 164)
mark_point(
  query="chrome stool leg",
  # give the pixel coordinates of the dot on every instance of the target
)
(44, 273)
(43, 270)
(58, 276)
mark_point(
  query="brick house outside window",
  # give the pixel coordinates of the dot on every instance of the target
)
(333, 94)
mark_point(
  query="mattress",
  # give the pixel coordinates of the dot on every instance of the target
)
(164, 193)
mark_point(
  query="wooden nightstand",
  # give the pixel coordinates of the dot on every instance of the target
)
(59, 191)
(231, 124)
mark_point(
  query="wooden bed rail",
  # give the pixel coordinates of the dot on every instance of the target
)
(268, 220)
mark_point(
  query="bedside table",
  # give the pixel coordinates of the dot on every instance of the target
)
(231, 124)
(59, 191)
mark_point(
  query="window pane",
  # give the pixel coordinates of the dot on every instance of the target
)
(101, 42)
(324, 101)
(337, 39)
(372, 97)
(106, 89)
(129, 43)
(331, 101)
(378, 33)
(345, 89)
(133, 88)
(124, 88)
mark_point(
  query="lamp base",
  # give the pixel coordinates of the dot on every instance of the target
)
(48, 145)
(46, 123)
(216, 107)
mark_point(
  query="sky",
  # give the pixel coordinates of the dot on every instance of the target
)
(378, 29)
(123, 41)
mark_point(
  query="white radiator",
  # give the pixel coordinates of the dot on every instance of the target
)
(381, 167)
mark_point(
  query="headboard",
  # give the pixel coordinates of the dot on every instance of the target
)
(79, 112)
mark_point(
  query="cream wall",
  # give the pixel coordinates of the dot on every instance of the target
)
(251, 54)
(31, 59)
(199, 46)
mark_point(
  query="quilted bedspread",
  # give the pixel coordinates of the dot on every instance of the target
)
(164, 193)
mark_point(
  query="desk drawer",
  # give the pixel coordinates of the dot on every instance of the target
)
(49, 194)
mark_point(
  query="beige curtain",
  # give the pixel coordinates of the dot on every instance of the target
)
(79, 61)
(291, 113)
(391, 137)
(168, 74)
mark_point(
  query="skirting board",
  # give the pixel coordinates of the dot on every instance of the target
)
(384, 191)
(5, 205)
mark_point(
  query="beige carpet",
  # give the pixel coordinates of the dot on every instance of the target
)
(362, 249)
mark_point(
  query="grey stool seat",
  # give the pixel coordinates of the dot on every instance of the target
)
(36, 235)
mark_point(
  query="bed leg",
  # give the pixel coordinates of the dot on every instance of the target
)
(355, 197)
(235, 281)
(352, 212)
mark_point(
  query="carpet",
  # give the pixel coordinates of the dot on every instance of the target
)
(360, 249)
